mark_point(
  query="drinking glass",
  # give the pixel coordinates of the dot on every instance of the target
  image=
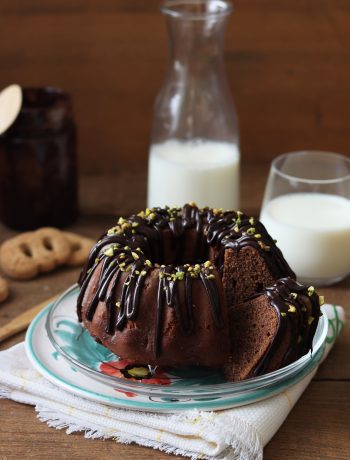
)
(306, 207)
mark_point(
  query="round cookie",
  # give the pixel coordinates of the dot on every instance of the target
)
(4, 289)
(31, 253)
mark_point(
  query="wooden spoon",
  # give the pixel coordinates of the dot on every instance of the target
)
(22, 321)
(10, 106)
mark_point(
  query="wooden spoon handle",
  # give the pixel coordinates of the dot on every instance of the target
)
(20, 322)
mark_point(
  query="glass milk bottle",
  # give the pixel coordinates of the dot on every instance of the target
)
(194, 154)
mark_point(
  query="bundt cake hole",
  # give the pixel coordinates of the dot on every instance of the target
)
(188, 248)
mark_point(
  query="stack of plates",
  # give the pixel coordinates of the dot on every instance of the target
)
(62, 351)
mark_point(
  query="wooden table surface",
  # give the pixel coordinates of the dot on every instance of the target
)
(318, 426)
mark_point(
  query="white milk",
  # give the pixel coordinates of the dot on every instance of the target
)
(313, 232)
(202, 171)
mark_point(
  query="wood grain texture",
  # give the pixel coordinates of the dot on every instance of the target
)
(288, 64)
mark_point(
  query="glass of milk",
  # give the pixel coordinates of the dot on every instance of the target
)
(194, 153)
(306, 207)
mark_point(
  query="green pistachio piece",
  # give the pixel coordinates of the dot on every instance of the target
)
(138, 372)
(109, 252)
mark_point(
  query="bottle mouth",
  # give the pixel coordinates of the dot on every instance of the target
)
(196, 9)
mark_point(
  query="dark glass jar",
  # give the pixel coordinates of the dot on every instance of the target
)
(38, 162)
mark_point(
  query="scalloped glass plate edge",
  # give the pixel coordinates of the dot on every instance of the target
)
(205, 390)
(165, 405)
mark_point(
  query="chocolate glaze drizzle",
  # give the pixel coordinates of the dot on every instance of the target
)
(298, 308)
(135, 246)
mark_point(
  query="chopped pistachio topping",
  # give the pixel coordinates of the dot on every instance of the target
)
(257, 235)
(148, 263)
(97, 260)
(135, 255)
(321, 299)
(161, 275)
(121, 221)
(142, 214)
(291, 309)
(283, 314)
(217, 211)
(207, 264)
(251, 231)
(109, 252)
(251, 220)
(180, 275)
(143, 273)
(293, 295)
(310, 320)
(112, 230)
(310, 291)
(210, 277)
(135, 224)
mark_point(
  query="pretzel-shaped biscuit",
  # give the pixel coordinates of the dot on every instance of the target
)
(4, 289)
(31, 253)
(80, 248)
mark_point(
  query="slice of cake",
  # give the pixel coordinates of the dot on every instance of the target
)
(272, 329)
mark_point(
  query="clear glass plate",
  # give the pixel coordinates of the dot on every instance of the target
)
(73, 343)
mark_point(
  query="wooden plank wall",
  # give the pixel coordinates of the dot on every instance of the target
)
(288, 63)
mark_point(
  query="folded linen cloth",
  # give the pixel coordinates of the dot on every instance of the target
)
(238, 433)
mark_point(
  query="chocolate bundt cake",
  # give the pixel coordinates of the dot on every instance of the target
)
(161, 286)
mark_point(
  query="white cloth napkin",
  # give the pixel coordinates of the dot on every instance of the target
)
(239, 433)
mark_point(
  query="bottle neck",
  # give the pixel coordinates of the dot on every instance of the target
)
(195, 42)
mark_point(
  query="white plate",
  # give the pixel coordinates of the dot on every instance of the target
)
(76, 378)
